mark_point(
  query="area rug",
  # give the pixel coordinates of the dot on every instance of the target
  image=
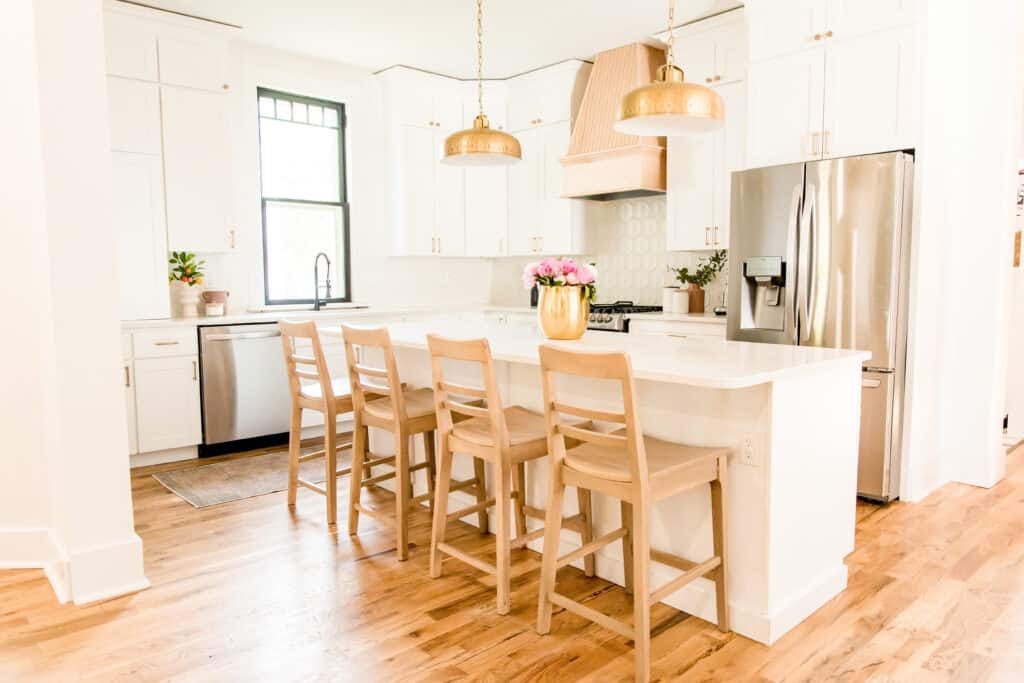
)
(247, 477)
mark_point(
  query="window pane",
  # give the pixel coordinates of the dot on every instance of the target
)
(284, 110)
(267, 107)
(298, 112)
(299, 162)
(331, 117)
(295, 233)
(316, 115)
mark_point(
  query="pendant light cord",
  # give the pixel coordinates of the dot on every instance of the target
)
(480, 55)
(670, 56)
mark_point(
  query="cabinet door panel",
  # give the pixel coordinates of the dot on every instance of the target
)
(851, 18)
(869, 94)
(785, 102)
(416, 162)
(561, 220)
(779, 27)
(130, 46)
(197, 169)
(690, 197)
(696, 55)
(167, 403)
(487, 212)
(138, 212)
(134, 115)
(450, 203)
(730, 144)
(523, 108)
(524, 194)
(193, 61)
(731, 52)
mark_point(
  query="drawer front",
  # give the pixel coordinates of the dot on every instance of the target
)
(165, 342)
(695, 329)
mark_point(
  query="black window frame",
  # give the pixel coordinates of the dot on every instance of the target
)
(342, 196)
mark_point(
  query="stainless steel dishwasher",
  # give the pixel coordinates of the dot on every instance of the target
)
(244, 385)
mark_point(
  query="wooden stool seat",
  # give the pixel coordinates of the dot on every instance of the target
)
(419, 403)
(663, 459)
(340, 388)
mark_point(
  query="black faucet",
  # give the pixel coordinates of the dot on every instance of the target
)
(316, 280)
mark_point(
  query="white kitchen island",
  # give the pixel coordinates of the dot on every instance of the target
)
(791, 416)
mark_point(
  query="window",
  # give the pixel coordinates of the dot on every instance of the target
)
(302, 191)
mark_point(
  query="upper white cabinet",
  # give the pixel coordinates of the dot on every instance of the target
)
(130, 45)
(193, 60)
(197, 169)
(134, 115)
(699, 179)
(829, 78)
(712, 51)
(487, 212)
(549, 95)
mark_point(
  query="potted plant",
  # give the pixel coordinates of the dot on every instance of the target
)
(187, 273)
(566, 291)
(705, 272)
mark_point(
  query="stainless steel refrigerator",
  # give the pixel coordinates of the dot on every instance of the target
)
(818, 255)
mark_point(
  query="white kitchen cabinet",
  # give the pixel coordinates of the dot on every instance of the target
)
(696, 326)
(487, 212)
(779, 27)
(712, 51)
(546, 96)
(197, 170)
(130, 45)
(785, 109)
(541, 221)
(134, 115)
(193, 60)
(138, 215)
(851, 18)
(167, 402)
(869, 94)
(699, 178)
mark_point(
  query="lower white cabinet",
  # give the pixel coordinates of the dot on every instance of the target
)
(698, 327)
(129, 407)
(167, 402)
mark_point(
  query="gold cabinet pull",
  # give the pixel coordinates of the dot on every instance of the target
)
(827, 143)
(127, 377)
(231, 237)
(165, 343)
(715, 239)
(707, 236)
(815, 143)
(195, 371)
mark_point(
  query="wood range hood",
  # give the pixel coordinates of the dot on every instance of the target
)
(602, 163)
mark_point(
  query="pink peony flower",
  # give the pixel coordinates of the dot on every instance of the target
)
(569, 266)
(572, 279)
(587, 275)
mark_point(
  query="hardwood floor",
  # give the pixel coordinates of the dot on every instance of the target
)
(249, 591)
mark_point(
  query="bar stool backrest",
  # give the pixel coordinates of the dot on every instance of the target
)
(366, 378)
(451, 398)
(594, 365)
(301, 366)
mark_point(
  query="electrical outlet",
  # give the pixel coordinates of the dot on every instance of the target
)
(748, 450)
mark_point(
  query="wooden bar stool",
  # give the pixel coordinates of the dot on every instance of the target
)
(637, 470)
(504, 437)
(380, 400)
(328, 396)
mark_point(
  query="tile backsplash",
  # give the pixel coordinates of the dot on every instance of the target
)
(626, 242)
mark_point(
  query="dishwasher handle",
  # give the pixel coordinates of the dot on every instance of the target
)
(241, 335)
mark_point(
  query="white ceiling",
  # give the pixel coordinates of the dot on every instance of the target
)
(439, 35)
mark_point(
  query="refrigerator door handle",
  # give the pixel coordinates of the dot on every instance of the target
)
(810, 286)
(804, 263)
(791, 257)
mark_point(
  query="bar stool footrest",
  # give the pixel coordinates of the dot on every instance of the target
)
(593, 615)
(677, 583)
(449, 549)
(591, 547)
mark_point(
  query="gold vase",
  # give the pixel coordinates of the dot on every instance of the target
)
(562, 312)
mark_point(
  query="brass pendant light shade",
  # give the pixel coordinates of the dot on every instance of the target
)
(481, 145)
(669, 106)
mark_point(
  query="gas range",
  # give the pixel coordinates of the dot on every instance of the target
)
(615, 317)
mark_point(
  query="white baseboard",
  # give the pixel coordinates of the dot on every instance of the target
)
(25, 548)
(161, 457)
(107, 571)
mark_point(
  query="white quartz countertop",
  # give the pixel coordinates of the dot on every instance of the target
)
(662, 316)
(711, 363)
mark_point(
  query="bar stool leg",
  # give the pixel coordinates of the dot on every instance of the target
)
(519, 486)
(294, 444)
(481, 493)
(444, 479)
(626, 509)
(502, 503)
(718, 526)
(641, 595)
(431, 458)
(402, 494)
(587, 535)
(331, 466)
(549, 561)
(360, 441)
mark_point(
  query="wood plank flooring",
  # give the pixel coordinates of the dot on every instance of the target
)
(251, 591)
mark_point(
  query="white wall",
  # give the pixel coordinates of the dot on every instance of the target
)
(966, 185)
(68, 426)
(377, 277)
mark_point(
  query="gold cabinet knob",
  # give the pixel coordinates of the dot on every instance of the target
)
(225, 86)
(818, 36)
(828, 34)
(718, 78)
(708, 79)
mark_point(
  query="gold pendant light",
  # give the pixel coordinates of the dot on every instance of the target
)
(669, 106)
(481, 145)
